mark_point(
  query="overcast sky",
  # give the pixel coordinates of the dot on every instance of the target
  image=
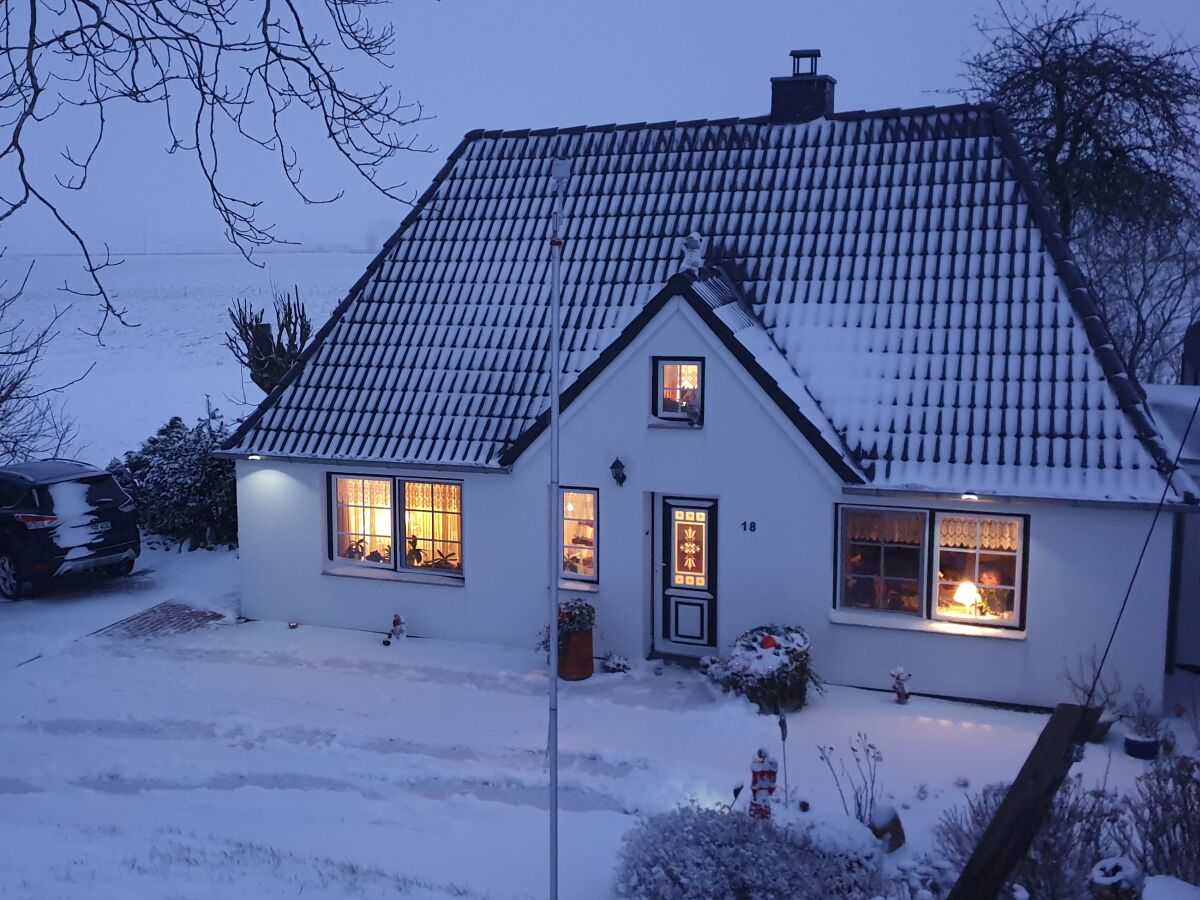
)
(537, 63)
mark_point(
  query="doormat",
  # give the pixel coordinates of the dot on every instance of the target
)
(165, 619)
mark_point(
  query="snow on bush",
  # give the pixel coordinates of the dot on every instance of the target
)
(697, 853)
(1161, 831)
(1071, 840)
(182, 492)
(770, 665)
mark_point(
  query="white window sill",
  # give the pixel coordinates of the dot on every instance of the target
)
(676, 424)
(903, 622)
(373, 574)
(583, 587)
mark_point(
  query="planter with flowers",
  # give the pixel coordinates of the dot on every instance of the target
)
(576, 619)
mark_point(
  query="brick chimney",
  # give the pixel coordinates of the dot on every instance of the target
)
(804, 95)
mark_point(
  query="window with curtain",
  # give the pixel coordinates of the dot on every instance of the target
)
(679, 387)
(882, 553)
(579, 533)
(979, 569)
(367, 511)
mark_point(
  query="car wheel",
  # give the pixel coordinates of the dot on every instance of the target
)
(122, 568)
(10, 584)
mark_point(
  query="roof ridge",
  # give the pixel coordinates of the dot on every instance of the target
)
(667, 124)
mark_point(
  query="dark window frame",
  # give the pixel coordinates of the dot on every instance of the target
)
(398, 509)
(930, 561)
(656, 389)
(564, 575)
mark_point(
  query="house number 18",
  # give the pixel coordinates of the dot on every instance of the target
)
(750, 526)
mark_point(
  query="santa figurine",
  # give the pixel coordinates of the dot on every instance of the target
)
(397, 632)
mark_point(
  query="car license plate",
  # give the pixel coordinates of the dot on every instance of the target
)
(104, 526)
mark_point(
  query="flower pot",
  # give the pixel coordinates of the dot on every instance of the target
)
(1140, 747)
(575, 661)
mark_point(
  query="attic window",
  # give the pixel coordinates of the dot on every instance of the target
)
(679, 390)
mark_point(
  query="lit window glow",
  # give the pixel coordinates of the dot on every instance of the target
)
(363, 531)
(979, 569)
(365, 516)
(579, 534)
(680, 384)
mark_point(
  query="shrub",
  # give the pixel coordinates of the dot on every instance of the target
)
(1072, 838)
(1161, 832)
(862, 783)
(183, 493)
(695, 853)
(770, 665)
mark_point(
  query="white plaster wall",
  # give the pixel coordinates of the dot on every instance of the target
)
(759, 468)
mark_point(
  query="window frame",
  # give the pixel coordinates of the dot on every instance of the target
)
(564, 575)
(929, 616)
(840, 543)
(1020, 567)
(399, 482)
(658, 364)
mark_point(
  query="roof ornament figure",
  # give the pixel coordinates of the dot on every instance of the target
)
(692, 247)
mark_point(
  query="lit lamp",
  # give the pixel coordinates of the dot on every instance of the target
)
(966, 595)
(618, 471)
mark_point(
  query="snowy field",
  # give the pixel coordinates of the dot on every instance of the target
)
(256, 761)
(176, 354)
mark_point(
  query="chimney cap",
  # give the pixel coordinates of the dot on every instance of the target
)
(806, 54)
(798, 59)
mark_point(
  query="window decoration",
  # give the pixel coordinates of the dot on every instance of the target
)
(679, 390)
(882, 553)
(979, 569)
(689, 539)
(433, 525)
(365, 518)
(579, 533)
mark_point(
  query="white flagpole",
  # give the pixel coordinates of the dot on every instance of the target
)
(560, 170)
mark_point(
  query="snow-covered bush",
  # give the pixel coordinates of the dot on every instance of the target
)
(696, 853)
(182, 492)
(770, 665)
(1075, 835)
(1161, 831)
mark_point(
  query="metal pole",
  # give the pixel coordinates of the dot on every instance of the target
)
(560, 169)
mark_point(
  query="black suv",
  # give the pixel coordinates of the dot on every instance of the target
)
(59, 516)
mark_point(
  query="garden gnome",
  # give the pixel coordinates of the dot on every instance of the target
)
(397, 631)
(763, 772)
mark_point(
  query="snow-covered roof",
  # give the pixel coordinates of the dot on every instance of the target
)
(907, 291)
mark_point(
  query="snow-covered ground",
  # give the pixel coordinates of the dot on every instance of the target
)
(174, 353)
(253, 760)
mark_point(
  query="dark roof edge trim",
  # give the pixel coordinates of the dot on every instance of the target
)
(350, 463)
(298, 366)
(680, 285)
(1125, 387)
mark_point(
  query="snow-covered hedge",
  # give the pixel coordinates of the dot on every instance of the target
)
(182, 492)
(695, 853)
(1161, 831)
(770, 665)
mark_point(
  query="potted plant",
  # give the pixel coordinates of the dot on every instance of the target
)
(576, 619)
(1080, 680)
(1145, 727)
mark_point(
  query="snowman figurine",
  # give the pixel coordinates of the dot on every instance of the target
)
(397, 633)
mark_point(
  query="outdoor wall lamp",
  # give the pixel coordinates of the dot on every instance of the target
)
(618, 471)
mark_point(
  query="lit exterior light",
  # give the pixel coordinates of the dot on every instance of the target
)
(618, 471)
(254, 456)
(970, 496)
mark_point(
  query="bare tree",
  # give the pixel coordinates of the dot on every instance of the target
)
(31, 423)
(1147, 274)
(225, 74)
(1110, 120)
(1107, 116)
(267, 355)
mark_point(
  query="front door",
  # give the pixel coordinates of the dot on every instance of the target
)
(686, 611)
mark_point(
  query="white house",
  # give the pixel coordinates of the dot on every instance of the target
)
(884, 408)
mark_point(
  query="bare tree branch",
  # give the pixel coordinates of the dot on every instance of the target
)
(223, 72)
